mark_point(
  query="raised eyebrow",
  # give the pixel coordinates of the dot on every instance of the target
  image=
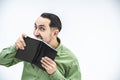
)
(42, 25)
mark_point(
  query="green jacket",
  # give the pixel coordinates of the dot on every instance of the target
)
(67, 65)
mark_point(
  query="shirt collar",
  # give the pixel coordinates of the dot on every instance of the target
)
(58, 47)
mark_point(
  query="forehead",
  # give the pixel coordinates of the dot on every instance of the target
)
(42, 21)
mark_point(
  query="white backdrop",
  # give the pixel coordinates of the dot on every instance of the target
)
(91, 29)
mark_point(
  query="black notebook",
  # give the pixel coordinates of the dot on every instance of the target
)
(34, 51)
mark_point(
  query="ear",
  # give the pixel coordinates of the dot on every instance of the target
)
(56, 31)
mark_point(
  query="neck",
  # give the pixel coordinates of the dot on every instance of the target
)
(54, 43)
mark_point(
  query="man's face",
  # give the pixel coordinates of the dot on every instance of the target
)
(42, 30)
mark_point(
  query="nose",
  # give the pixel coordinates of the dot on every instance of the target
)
(36, 33)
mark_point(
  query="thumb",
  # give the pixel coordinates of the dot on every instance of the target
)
(24, 35)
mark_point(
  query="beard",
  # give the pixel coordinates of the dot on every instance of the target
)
(49, 39)
(46, 39)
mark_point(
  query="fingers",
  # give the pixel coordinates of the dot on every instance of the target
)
(24, 35)
(46, 66)
(48, 60)
(49, 65)
(20, 43)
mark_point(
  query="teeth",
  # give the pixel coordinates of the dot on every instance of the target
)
(40, 39)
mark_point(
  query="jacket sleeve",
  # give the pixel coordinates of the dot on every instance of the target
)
(72, 73)
(7, 56)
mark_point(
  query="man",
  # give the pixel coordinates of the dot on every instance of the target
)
(64, 67)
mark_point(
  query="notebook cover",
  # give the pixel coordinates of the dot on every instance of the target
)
(34, 51)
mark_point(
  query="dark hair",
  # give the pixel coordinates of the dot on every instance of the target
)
(55, 20)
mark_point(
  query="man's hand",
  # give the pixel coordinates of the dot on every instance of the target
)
(20, 43)
(49, 65)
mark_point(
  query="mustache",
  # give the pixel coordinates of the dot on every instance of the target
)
(39, 38)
